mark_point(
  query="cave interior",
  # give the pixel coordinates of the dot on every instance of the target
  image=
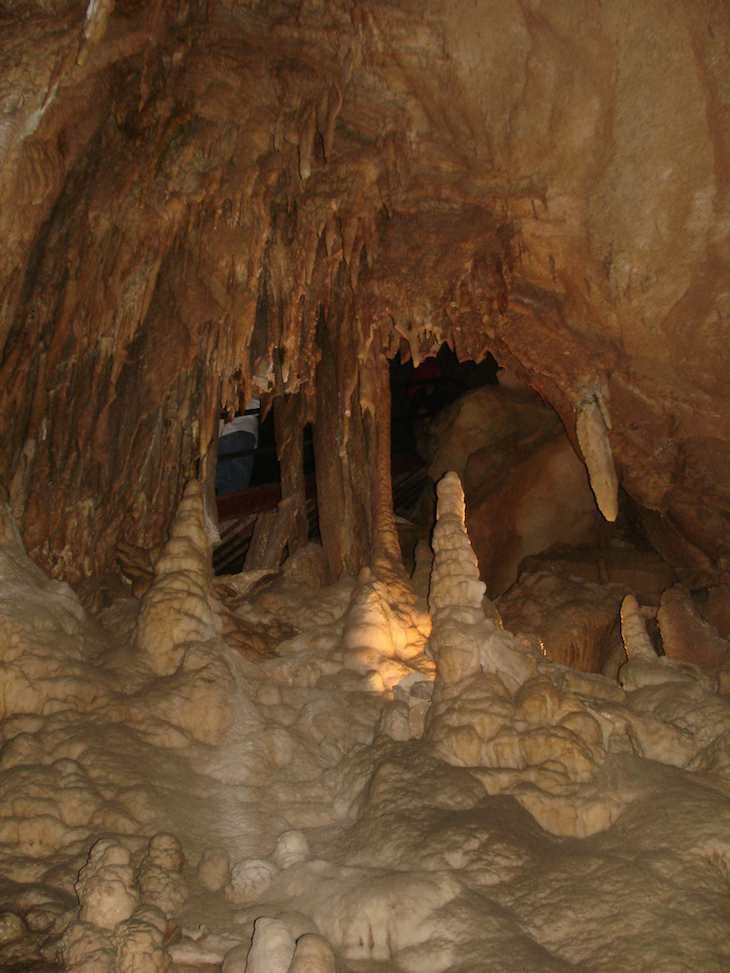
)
(460, 698)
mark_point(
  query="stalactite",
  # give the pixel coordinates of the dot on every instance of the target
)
(160, 154)
(306, 145)
(592, 432)
(97, 17)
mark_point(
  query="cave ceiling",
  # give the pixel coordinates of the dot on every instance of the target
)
(193, 194)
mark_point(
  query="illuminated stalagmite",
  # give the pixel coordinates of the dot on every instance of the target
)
(315, 767)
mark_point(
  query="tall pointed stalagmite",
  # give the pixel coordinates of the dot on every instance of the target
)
(456, 593)
(179, 607)
(463, 639)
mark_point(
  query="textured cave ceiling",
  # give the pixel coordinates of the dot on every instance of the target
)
(201, 200)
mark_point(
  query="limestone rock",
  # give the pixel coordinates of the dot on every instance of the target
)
(576, 621)
(272, 947)
(214, 869)
(291, 848)
(312, 954)
(538, 496)
(177, 608)
(160, 878)
(139, 942)
(105, 886)
(686, 635)
(249, 879)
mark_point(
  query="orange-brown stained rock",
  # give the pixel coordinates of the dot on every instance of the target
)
(548, 183)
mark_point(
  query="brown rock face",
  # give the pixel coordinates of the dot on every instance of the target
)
(525, 488)
(198, 201)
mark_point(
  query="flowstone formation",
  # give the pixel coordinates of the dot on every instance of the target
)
(386, 789)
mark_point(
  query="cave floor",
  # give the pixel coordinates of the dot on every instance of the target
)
(299, 790)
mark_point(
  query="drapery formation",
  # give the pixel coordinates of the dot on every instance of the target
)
(207, 200)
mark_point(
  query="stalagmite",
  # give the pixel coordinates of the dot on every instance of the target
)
(367, 637)
(379, 640)
(463, 639)
(456, 593)
(592, 432)
(178, 607)
(686, 635)
(105, 886)
(474, 719)
(160, 877)
(272, 947)
(644, 666)
(249, 879)
(139, 942)
(312, 954)
(633, 631)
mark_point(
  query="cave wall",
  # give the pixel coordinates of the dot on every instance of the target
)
(188, 191)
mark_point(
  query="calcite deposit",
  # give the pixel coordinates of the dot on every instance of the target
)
(381, 791)
(519, 756)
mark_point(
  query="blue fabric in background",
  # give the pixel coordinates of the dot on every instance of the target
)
(234, 472)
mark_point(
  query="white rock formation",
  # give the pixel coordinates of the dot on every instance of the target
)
(105, 887)
(159, 878)
(384, 632)
(426, 854)
(178, 608)
(272, 947)
(139, 942)
(249, 880)
(463, 639)
(633, 632)
(490, 711)
(291, 848)
(312, 954)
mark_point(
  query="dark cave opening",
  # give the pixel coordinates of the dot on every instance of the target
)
(413, 400)
(531, 515)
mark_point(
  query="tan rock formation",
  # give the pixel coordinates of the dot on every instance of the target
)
(204, 201)
(200, 203)
(537, 497)
(525, 487)
(686, 635)
(178, 608)
(576, 621)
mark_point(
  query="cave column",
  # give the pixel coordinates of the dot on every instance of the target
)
(290, 418)
(340, 447)
(375, 402)
(352, 443)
